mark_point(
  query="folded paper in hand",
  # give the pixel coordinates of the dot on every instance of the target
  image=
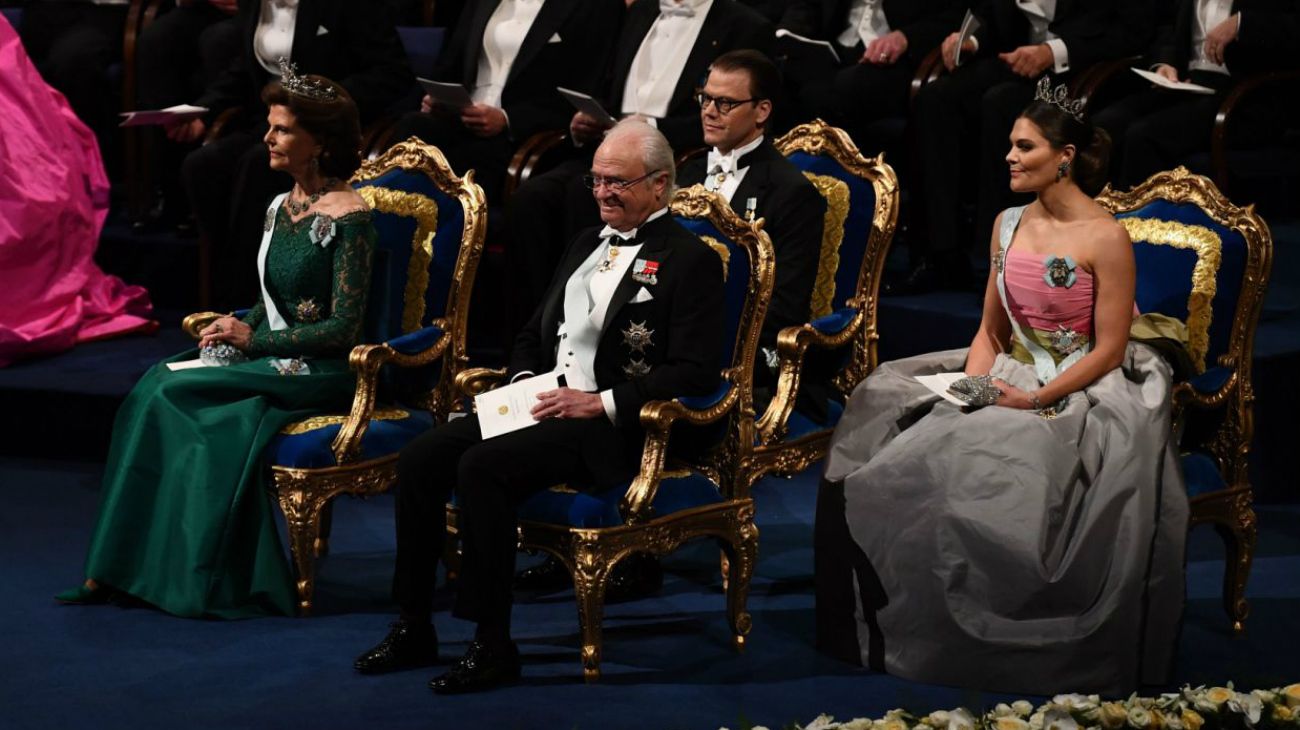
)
(178, 113)
(587, 105)
(783, 33)
(939, 384)
(1161, 81)
(509, 408)
(447, 95)
(187, 364)
(970, 25)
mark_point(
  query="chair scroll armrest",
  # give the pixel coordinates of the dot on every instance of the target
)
(366, 361)
(1210, 389)
(194, 323)
(658, 417)
(526, 157)
(832, 331)
(476, 381)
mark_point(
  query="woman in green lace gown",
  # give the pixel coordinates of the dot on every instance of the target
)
(186, 522)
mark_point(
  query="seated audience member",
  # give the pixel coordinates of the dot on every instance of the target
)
(879, 43)
(74, 43)
(972, 107)
(661, 57)
(1210, 43)
(511, 55)
(1033, 539)
(53, 202)
(587, 434)
(177, 56)
(186, 522)
(228, 179)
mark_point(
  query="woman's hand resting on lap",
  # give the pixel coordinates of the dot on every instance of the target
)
(229, 330)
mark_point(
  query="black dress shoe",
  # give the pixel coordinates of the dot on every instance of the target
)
(481, 668)
(637, 576)
(405, 647)
(548, 575)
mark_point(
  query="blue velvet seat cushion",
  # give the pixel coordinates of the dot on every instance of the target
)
(801, 424)
(311, 450)
(835, 322)
(704, 402)
(600, 509)
(1202, 474)
(417, 341)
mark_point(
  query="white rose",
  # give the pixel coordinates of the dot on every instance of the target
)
(1139, 717)
(961, 719)
(857, 723)
(1173, 722)
(822, 722)
(1022, 708)
(1059, 719)
(1002, 709)
(1265, 696)
(1070, 700)
(1010, 722)
(1219, 695)
(938, 718)
(1249, 706)
(1036, 720)
(1112, 715)
(1204, 706)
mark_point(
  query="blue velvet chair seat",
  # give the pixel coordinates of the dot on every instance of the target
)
(416, 342)
(583, 510)
(835, 322)
(311, 450)
(1201, 474)
(704, 402)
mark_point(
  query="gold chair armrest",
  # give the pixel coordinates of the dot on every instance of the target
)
(194, 323)
(658, 417)
(476, 381)
(366, 361)
(791, 345)
(1187, 395)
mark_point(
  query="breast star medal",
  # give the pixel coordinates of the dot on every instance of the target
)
(308, 311)
(636, 368)
(1065, 340)
(638, 337)
(1060, 271)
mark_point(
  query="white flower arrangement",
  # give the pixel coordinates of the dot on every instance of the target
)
(1192, 708)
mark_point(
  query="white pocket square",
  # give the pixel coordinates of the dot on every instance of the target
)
(642, 296)
(555, 38)
(322, 30)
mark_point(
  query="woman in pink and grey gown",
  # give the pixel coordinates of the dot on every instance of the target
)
(53, 202)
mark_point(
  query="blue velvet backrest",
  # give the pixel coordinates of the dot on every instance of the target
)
(1169, 281)
(736, 286)
(406, 292)
(857, 223)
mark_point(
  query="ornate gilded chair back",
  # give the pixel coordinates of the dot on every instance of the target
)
(1205, 261)
(861, 217)
(431, 226)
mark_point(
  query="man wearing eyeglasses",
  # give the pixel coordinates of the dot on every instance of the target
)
(634, 314)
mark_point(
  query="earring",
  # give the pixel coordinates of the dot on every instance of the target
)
(1062, 170)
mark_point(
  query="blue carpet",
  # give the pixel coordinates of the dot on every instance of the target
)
(668, 660)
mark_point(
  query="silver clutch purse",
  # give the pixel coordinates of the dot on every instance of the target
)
(221, 355)
(976, 390)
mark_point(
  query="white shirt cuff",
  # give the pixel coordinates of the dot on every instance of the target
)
(521, 375)
(1060, 54)
(611, 410)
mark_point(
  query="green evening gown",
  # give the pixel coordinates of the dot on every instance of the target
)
(186, 521)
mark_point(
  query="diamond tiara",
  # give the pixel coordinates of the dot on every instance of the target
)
(303, 86)
(1060, 98)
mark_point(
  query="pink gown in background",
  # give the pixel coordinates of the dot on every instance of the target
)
(53, 202)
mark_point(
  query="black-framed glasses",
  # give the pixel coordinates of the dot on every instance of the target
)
(723, 104)
(594, 181)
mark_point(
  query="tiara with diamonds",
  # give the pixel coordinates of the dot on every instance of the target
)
(1060, 98)
(301, 85)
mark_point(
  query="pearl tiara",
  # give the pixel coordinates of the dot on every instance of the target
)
(1060, 98)
(303, 86)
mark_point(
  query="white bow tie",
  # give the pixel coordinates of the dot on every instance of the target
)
(607, 233)
(720, 164)
(668, 8)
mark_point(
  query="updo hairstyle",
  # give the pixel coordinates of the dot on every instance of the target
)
(335, 124)
(1091, 143)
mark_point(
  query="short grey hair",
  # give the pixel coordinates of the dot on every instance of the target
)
(656, 153)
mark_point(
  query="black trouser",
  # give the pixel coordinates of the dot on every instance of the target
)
(977, 103)
(486, 156)
(1156, 128)
(849, 95)
(491, 479)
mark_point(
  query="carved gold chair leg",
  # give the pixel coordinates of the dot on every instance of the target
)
(589, 577)
(302, 516)
(1239, 537)
(743, 549)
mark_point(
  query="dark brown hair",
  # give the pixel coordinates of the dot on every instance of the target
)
(1091, 143)
(764, 76)
(335, 124)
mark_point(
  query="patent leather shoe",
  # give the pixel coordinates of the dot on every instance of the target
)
(483, 667)
(405, 647)
(548, 575)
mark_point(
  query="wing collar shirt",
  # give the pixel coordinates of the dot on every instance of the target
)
(273, 38)
(724, 171)
(502, 38)
(662, 56)
(867, 22)
(1040, 14)
(586, 301)
(1209, 13)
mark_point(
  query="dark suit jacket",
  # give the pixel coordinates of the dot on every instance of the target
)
(686, 316)
(924, 22)
(586, 29)
(1269, 29)
(1093, 30)
(793, 213)
(728, 26)
(359, 49)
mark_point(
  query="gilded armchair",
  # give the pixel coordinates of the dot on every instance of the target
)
(667, 504)
(1206, 261)
(861, 216)
(431, 226)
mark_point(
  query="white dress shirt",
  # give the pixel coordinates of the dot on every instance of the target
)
(273, 38)
(662, 56)
(1040, 14)
(502, 38)
(1209, 13)
(866, 23)
(723, 176)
